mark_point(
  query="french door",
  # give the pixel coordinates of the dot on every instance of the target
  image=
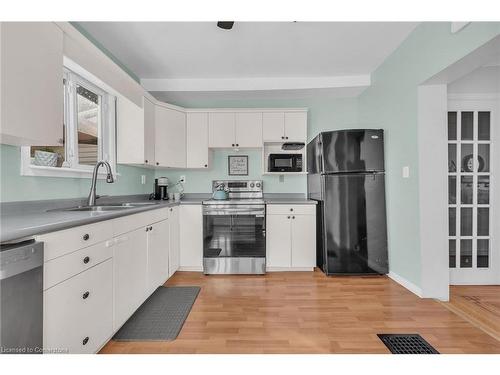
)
(474, 256)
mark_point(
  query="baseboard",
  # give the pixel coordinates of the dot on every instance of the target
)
(405, 283)
(190, 269)
(289, 269)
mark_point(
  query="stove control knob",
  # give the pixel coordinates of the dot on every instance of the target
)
(257, 184)
(252, 184)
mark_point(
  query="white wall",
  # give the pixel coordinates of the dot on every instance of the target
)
(485, 80)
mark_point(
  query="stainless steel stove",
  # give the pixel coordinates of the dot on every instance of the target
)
(234, 229)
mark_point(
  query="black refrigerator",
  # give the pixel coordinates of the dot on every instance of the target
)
(346, 177)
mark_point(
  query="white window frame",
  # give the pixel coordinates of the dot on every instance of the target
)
(76, 75)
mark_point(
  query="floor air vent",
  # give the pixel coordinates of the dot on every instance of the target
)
(406, 344)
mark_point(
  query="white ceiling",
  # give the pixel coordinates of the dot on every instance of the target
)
(194, 56)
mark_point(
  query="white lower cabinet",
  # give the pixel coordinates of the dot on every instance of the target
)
(191, 237)
(175, 245)
(78, 313)
(130, 267)
(158, 250)
(291, 237)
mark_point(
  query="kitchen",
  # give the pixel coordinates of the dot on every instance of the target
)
(169, 219)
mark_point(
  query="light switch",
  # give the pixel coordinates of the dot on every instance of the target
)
(406, 171)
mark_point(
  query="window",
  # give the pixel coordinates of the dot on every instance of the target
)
(88, 132)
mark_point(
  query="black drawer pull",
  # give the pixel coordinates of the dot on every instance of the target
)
(291, 209)
(85, 340)
(86, 260)
(85, 295)
(86, 236)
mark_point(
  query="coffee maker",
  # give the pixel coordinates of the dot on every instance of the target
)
(161, 185)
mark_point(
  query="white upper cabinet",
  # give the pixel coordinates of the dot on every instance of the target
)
(248, 129)
(31, 83)
(221, 130)
(149, 132)
(296, 126)
(130, 132)
(273, 124)
(170, 137)
(197, 140)
(284, 126)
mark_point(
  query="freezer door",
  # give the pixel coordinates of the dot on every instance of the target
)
(354, 224)
(352, 151)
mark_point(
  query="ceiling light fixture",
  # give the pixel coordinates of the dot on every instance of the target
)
(226, 25)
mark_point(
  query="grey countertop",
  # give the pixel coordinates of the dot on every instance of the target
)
(20, 220)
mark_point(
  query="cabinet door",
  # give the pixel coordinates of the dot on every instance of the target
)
(296, 126)
(158, 250)
(191, 229)
(197, 140)
(248, 129)
(273, 126)
(221, 130)
(278, 241)
(31, 84)
(130, 146)
(78, 313)
(175, 243)
(303, 241)
(130, 266)
(170, 134)
(149, 132)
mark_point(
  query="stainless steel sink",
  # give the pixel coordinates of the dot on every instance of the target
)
(106, 207)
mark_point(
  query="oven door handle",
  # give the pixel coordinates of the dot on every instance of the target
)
(259, 212)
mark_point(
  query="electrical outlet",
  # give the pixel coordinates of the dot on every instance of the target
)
(282, 178)
(406, 172)
(182, 179)
(143, 179)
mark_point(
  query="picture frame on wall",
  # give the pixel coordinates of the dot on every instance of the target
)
(237, 165)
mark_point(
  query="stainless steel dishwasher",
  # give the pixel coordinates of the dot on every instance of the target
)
(21, 298)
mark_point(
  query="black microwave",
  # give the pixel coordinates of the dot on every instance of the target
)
(285, 163)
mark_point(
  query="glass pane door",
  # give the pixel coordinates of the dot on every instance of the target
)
(469, 147)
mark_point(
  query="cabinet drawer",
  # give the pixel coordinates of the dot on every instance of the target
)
(129, 223)
(78, 313)
(66, 241)
(62, 268)
(287, 209)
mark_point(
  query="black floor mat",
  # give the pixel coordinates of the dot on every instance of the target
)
(407, 344)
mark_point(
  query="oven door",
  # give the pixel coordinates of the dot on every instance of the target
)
(234, 238)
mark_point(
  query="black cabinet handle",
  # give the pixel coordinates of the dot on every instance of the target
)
(206, 165)
(288, 217)
(293, 217)
(86, 260)
(291, 209)
(86, 236)
(233, 144)
(282, 137)
(157, 163)
(85, 340)
(85, 295)
(237, 144)
(286, 137)
(146, 161)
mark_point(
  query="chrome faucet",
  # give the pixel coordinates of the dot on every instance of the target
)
(109, 179)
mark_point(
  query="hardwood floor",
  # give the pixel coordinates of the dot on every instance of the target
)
(307, 312)
(478, 304)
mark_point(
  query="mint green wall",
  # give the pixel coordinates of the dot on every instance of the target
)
(14, 187)
(391, 103)
(324, 114)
